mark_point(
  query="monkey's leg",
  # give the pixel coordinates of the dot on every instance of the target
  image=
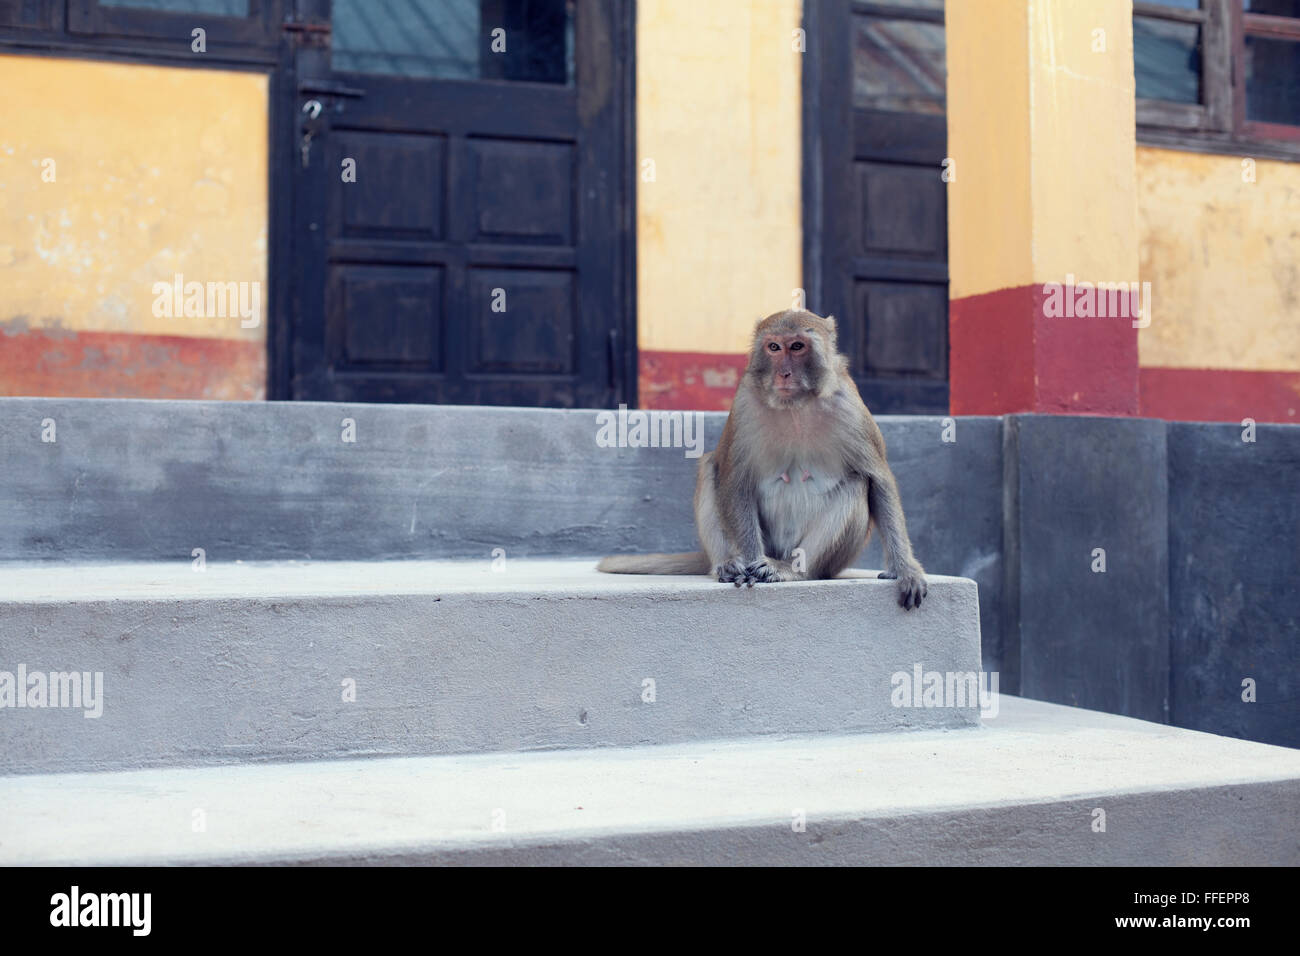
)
(708, 524)
(729, 534)
(742, 531)
(887, 512)
(832, 538)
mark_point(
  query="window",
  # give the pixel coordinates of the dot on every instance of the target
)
(899, 56)
(231, 27)
(1221, 75)
(456, 39)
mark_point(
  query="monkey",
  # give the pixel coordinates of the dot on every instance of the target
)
(799, 477)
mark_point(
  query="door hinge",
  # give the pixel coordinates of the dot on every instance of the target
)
(309, 32)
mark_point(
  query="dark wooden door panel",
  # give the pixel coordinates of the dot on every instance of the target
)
(389, 317)
(901, 333)
(366, 208)
(903, 211)
(522, 191)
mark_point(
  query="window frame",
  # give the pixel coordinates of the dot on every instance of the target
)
(1218, 124)
(1269, 26)
(256, 30)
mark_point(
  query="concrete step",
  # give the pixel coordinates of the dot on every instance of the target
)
(253, 661)
(1026, 788)
(128, 480)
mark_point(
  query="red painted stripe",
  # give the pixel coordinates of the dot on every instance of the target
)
(1219, 395)
(688, 380)
(1007, 355)
(991, 353)
(1084, 366)
(56, 362)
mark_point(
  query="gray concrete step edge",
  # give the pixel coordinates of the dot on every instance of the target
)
(1038, 784)
(255, 662)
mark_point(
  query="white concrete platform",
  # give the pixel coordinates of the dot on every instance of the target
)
(1024, 789)
(55, 582)
(255, 661)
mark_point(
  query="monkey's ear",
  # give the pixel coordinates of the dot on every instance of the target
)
(834, 335)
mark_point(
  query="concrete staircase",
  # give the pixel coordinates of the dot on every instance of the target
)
(1025, 789)
(255, 661)
(322, 684)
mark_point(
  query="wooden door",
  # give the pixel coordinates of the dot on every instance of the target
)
(462, 221)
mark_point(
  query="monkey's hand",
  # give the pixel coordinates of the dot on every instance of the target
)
(732, 572)
(762, 571)
(911, 585)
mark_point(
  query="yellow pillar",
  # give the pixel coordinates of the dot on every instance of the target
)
(1043, 206)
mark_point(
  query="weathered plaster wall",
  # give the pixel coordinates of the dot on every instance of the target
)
(114, 177)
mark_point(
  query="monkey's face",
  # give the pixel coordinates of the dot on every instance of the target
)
(793, 370)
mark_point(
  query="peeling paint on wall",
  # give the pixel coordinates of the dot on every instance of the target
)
(1222, 254)
(114, 177)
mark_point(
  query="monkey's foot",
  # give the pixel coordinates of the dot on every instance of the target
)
(764, 572)
(911, 586)
(734, 572)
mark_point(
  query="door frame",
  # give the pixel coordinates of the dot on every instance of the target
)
(820, 138)
(622, 343)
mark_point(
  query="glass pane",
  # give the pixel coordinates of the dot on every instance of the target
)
(899, 65)
(914, 4)
(1276, 8)
(220, 8)
(1167, 60)
(1180, 4)
(1272, 80)
(529, 40)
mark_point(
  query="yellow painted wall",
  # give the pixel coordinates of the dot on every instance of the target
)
(719, 240)
(1223, 259)
(989, 216)
(157, 170)
(1083, 106)
(1041, 127)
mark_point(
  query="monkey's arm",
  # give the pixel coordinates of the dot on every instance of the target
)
(739, 528)
(726, 513)
(886, 507)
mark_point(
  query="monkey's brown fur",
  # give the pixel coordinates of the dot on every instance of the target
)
(799, 476)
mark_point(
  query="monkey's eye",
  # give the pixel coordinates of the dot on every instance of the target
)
(773, 347)
(796, 347)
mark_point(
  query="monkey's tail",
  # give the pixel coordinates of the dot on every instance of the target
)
(686, 562)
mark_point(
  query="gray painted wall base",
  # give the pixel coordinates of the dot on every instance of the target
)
(1086, 529)
(1025, 789)
(1234, 580)
(247, 662)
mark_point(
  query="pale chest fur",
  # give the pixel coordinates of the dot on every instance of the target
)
(796, 477)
